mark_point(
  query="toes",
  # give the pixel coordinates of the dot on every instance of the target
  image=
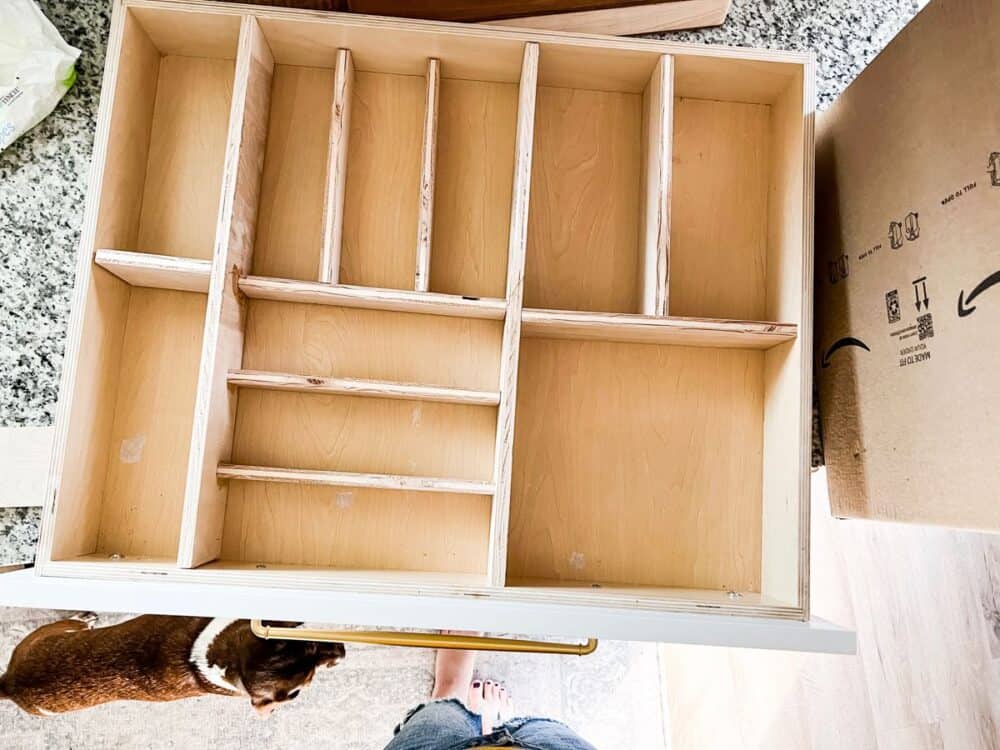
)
(476, 696)
(491, 691)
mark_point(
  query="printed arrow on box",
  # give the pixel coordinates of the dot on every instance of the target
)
(840, 344)
(982, 286)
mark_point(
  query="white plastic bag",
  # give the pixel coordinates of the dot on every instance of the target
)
(36, 68)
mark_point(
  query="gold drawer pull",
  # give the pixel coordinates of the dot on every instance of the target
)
(422, 640)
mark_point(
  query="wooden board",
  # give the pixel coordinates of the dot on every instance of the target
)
(25, 453)
(356, 529)
(187, 147)
(289, 220)
(583, 246)
(649, 329)
(475, 166)
(637, 464)
(383, 179)
(718, 237)
(153, 411)
(634, 19)
(156, 271)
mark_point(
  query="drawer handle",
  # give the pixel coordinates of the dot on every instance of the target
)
(422, 640)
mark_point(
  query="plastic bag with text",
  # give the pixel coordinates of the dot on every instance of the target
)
(36, 68)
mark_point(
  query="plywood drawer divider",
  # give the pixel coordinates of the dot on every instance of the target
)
(410, 307)
(352, 479)
(288, 290)
(280, 381)
(428, 159)
(336, 175)
(156, 271)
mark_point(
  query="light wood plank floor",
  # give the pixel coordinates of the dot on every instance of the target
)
(926, 606)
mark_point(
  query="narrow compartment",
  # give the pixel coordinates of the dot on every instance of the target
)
(162, 177)
(637, 465)
(593, 167)
(126, 457)
(477, 122)
(383, 180)
(289, 234)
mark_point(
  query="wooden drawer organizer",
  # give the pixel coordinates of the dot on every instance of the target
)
(401, 306)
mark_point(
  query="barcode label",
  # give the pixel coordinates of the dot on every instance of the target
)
(925, 327)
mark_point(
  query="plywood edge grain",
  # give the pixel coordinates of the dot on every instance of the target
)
(355, 479)
(372, 298)
(279, 381)
(336, 172)
(650, 329)
(156, 271)
(657, 121)
(428, 162)
(511, 344)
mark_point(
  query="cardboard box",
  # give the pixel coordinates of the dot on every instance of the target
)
(908, 276)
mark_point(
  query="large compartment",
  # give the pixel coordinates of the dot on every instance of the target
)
(162, 173)
(122, 486)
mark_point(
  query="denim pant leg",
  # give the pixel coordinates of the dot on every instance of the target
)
(441, 725)
(545, 734)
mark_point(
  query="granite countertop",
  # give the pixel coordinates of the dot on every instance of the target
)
(43, 184)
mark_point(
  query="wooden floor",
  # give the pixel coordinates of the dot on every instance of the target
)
(926, 606)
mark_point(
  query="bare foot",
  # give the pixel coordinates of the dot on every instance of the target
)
(453, 672)
(492, 702)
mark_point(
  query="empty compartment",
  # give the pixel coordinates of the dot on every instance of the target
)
(383, 180)
(737, 208)
(351, 529)
(477, 122)
(122, 487)
(586, 228)
(640, 467)
(161, 185)
(289, 236)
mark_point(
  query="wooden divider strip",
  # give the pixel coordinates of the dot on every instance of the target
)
(354, 479)
(657, 122)
(282, 381)
(428, 160)
(336, 171)
(372, 298)
(222, 349)
(653, 329)
(510, 351)
(156, 271)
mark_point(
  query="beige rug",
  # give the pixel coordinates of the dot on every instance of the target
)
(612, 698)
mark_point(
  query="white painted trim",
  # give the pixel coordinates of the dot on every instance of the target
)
(212, 673)
(23, 588)
(24, 464)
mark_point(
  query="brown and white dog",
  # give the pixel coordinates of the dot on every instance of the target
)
(69, 665)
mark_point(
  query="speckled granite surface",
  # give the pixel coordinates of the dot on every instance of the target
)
(43, 175)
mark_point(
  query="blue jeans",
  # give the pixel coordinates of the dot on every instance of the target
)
(449, 725)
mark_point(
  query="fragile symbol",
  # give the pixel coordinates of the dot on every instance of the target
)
(982, 286)
(912, 226)
(916, 291)
(840, 344)
(896, 234)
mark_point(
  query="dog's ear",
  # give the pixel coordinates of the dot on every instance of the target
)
(329, 654)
